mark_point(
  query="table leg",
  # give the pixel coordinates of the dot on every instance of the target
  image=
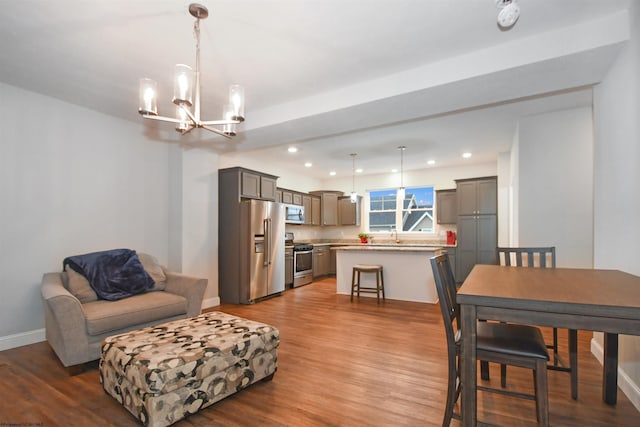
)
(610, 370)
(469, 365)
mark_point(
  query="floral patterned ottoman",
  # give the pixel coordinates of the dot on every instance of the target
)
(162, 374)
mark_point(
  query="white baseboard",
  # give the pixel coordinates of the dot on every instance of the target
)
(626, 384)
(24, 338)
(211, 302)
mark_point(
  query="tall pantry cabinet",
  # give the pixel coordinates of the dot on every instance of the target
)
(477, 224)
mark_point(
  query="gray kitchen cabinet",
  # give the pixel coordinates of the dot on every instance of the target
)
(287, 197)
(321, 261)
(308, 209)
(328, 206)
(297, 199)
(332, 262)
(288, 267)
(477, 225)
(278, 195)
(315, 210)
(477, 196)
(452, 258)
(446, 207)
(251, 184)
(349, 213)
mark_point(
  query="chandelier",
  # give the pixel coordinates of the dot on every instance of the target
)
(186, 94)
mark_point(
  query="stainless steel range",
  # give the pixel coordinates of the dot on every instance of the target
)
(302, 261)
(302, 264)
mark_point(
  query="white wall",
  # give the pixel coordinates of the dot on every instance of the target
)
(617, 183)
(71, 181)
(555, 190)
(199, 219)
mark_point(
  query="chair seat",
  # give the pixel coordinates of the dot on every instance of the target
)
(511, 339)
(367, 267)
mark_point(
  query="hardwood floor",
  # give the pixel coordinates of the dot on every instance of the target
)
(340, 364)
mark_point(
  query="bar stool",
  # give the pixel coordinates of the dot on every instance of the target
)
(355, 284)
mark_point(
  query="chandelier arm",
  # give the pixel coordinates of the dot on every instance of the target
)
(214, 130)
(194, 119)
(220, 122)
(161, 118)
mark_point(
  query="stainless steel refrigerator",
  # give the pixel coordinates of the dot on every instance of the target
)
(262, 232)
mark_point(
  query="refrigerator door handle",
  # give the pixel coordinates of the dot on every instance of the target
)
(267, 243)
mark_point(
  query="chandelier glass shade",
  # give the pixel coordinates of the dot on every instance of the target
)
(186, 95)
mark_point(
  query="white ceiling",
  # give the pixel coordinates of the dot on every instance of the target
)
(332, 77)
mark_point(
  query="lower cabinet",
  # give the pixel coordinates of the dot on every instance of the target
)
(477, 242)
(452, 259)
(321, 261)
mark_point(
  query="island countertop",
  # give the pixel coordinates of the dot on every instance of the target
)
(392, 248)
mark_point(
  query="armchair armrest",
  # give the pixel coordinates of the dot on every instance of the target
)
(190, 287)
(65, 326)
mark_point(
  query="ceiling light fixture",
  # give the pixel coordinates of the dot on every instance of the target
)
(509, 13)
(466, 155)
(431, 162)
(401, 189)
(308, 165)
(354, 195)
(185, 97)
(292, 149)
(332, 173)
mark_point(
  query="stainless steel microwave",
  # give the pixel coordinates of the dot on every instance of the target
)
(294, 214)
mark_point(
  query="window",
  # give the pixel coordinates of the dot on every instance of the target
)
(413, 213)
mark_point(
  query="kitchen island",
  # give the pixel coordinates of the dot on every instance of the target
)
(407, 270)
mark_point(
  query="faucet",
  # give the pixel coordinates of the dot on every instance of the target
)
(395, 232)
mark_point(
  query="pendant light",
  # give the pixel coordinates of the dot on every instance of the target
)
(401, 189)
(354, 195)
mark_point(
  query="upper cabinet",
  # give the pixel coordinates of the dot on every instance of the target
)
(349, 212)
(328, 206)
(477, 196)
(316, 211)
(251, 184)
(446, 207)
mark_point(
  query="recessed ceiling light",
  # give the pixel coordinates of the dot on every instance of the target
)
(466, 155)
(292, 149)
(431, 162)
(394, 170)
(332, 173)
(359, 170)
(308, 164)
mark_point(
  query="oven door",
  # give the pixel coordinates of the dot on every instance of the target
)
(303, 262)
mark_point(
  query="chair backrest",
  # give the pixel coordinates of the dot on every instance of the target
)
(543, 257)
(447, 291)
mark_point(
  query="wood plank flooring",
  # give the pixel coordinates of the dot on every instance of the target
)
(340, 364)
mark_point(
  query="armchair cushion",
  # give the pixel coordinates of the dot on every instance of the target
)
(155, 270)
(104, 316)
(79, 286)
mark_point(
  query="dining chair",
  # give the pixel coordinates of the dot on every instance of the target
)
(516, 345)
(544, 257)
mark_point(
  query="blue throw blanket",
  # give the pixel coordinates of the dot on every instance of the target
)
(113, 274)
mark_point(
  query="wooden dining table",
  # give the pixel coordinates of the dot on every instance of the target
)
(584, 299)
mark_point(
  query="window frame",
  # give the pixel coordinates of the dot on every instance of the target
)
(400, 212)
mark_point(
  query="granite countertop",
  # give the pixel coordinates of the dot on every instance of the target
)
(390, 248)
(404, 243)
